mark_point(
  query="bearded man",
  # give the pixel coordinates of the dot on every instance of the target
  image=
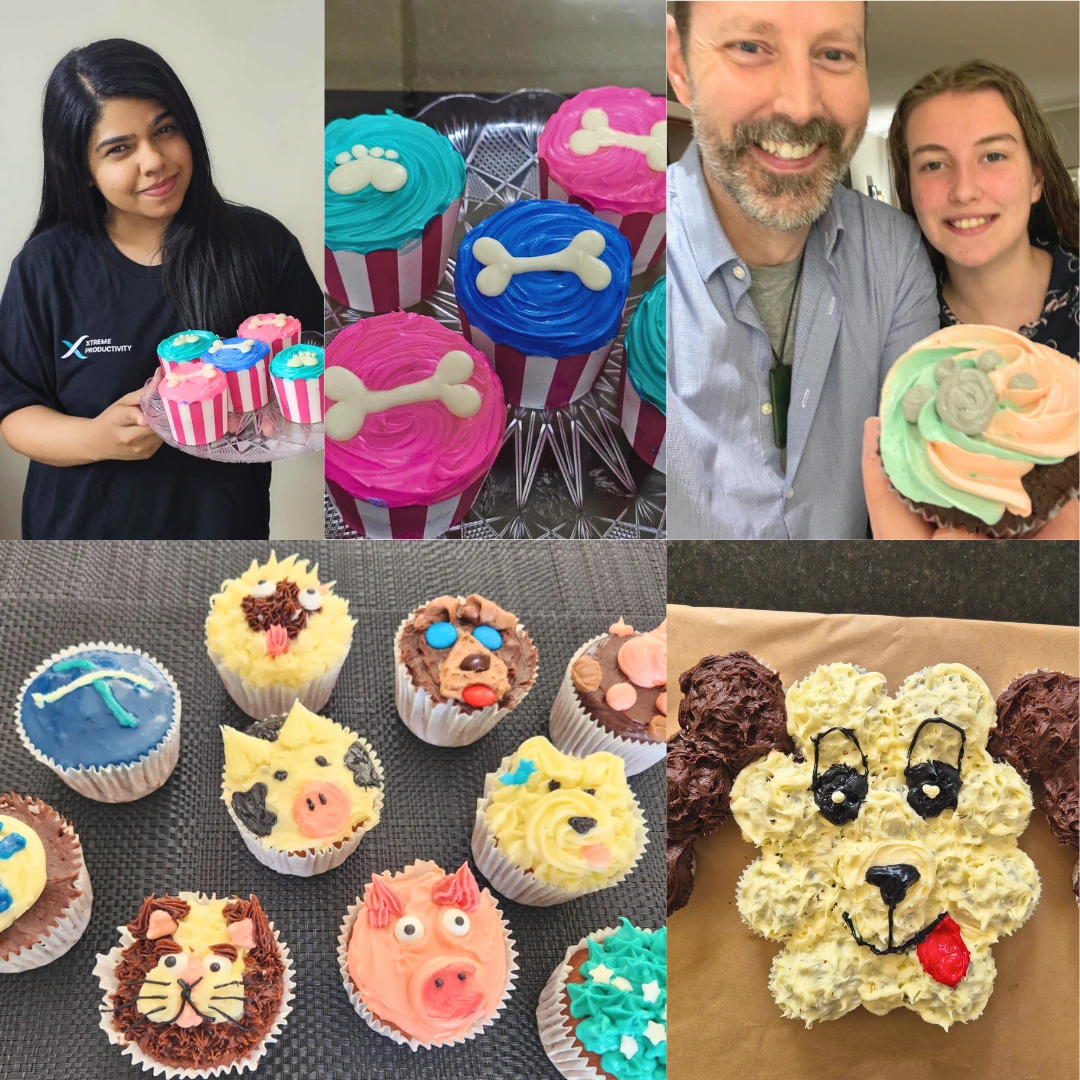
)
(789, 295)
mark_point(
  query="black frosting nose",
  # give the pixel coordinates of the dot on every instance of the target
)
(893, 881)
(582, 824)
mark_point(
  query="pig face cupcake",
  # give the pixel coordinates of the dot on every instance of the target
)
(426, 957)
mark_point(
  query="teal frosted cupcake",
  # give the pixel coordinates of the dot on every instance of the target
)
(392, 195)
(297, 376)
(184, 347)
(643, 387)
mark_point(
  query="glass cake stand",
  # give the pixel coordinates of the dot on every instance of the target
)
(561, 473)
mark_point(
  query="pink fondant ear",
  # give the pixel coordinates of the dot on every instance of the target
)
(458, 890)
(242, 934)
(382, 902)
(161, 924)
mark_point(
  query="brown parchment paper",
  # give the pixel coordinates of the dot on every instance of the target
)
(722, 1020)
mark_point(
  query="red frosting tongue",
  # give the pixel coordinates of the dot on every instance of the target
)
(943, 954)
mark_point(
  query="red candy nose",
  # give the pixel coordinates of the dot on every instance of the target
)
(478, 695)
(321, 809)
(452, 993)
(943, 954)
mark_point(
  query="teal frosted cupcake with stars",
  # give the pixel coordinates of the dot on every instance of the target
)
(643, 388)
(392, 195)
(603, 1012)
(104, 718)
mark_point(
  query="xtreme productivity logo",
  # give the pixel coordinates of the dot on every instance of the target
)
(86, 344)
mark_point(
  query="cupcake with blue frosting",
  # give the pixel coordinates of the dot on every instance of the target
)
(245, 363)
(296, 374)
(392, 192)
(643, 386)
(541, 287)
(105, 718)
(183, 347)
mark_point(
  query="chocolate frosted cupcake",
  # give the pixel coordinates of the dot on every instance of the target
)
(462, 663)
(614, 697)
(45, 895)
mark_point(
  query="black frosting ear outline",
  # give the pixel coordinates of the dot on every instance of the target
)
(941, 774)
(250, 807)
(839, 777)
(362, 767)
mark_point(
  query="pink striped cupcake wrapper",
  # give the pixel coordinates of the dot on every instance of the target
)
(646, 232)
(403, 522)
(644, 425)
(538, 382)
(392, 278)
(249, 389)
(301, 400)
(199, 423)
(279, 343)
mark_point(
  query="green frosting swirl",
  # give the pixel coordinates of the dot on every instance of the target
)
(609, 1013)
(646, 346)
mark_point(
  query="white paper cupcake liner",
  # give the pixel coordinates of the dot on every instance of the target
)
(401, 1039)
(442, 723)
(63, 934)
(509, 880)
(314, 860)
(111, 783)
(105, 970)
(574, 731)
(565, 1051)
(259, 702)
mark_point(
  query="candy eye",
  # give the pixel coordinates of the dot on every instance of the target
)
(264, 588)
(441, 635)
(409, 928)
(456, 922)
(489, 637)
(310, 599)
(169, 961)
(214, 964)
(554, 785)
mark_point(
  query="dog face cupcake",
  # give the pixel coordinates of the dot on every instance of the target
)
(276, 330)
(427, 958)
(462, 664)
(277, 635)
(196, 983)
(551, 827)
(302, 790)
(245, 363)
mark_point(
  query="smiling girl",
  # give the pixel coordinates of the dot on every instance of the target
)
(132, 243)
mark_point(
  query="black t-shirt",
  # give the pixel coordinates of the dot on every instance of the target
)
(79, 328)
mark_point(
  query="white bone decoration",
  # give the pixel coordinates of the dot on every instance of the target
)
(244, 346)
(361, 166)
(578, 257)
(206, 371)
(303, 359)
(354, 402)
(185, 339)
(596, 133)
(277, 320)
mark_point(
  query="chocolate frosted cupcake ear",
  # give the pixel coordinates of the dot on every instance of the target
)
(732, 713)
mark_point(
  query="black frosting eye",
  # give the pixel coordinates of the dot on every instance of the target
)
(281, 774)
(320, 760)
(841, 789)
(169, 961)
(933, 785)
(590, 791)
(554, 785)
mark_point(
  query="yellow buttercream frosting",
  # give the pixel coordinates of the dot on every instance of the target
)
(318, 648)
(304, 742)
(22, 874)
(571, 821)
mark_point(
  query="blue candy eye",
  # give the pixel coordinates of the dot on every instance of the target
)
(489, 637)
(440, 635)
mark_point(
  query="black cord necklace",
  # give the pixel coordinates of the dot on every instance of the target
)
(780, 373)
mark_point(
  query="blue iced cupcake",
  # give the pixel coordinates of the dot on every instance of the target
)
(104, 718)
(245, 363)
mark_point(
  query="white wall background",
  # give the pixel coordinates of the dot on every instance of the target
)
(254, 69)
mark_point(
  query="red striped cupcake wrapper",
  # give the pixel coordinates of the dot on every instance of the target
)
(644, 425)
(199, 423)
(646, 232)
(280, 343)
(393, 278)
(538, 382)
(301, 400)
(249, 389)
(403, 522)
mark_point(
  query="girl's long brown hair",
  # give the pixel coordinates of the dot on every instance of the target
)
(1054, 218)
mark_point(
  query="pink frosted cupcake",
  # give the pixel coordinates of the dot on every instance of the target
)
(278, 331)
(414, 421)
(606, 150)
(195, 396)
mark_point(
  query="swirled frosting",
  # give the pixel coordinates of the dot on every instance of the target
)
(646, 346)
(185, 345)
(370, 219)
(192, 381)
(617, 178)
(266, 327)
(298, 362)
(545, 312)
(235, 354)
(969, 411)
(420, 452)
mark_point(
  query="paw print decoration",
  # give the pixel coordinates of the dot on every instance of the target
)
(363, 166)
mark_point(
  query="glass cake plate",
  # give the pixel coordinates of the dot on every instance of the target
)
(259, 436)
(561, 473)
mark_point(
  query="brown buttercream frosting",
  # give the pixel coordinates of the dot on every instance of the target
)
(595, 671)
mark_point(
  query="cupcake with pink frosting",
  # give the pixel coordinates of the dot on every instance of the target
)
(195, 395)
(414, 421)
(606, 150)
(276, 330)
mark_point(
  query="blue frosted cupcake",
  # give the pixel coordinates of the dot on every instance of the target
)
(541, 287)
(245, 363)
(184, 347)
(392, 194)
(104, 718)
(643, 388)
(297, 377)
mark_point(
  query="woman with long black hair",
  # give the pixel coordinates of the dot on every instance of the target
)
(132, 243)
